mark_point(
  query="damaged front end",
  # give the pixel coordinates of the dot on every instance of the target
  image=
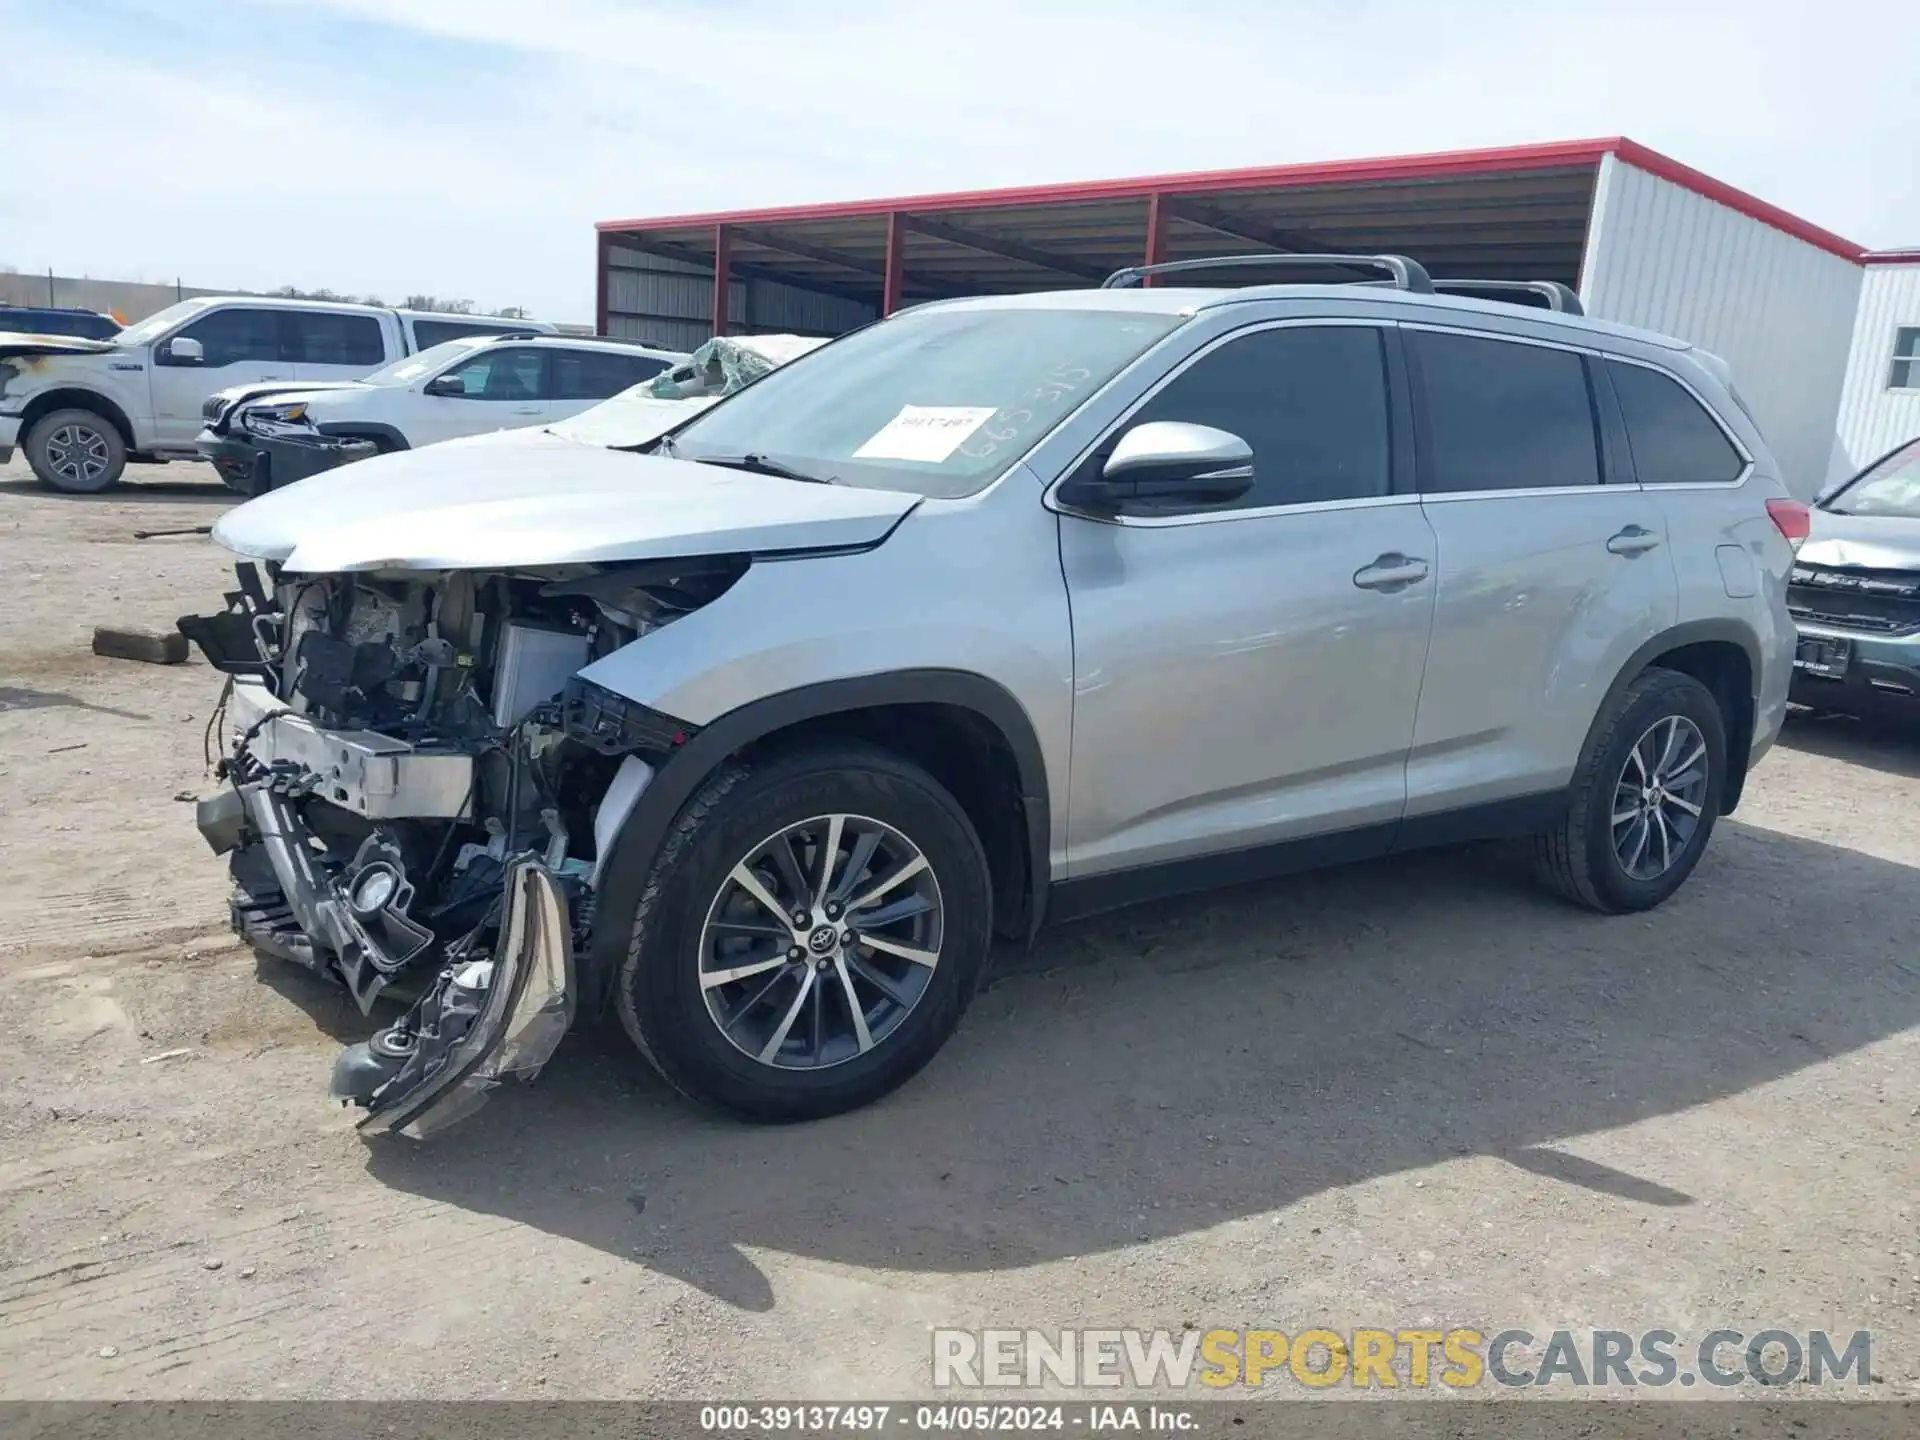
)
(417, 791)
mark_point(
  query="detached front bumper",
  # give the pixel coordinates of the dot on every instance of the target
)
(1878, 674)
(256, 463)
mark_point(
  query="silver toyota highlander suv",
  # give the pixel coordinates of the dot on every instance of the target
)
(995, 612)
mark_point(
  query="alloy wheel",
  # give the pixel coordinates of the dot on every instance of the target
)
(820, 942)
(1660, 796)
(77, 453)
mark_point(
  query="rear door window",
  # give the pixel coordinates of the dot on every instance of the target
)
(1675, 441)
(1501, 415)
(431, 332)
(1311, 401)
(597, 374)
(317, 338)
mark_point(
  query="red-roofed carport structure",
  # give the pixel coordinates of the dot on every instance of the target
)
(1642, 237)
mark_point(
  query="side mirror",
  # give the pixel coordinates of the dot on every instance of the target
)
(1167, 462)
(186, 350)
(452, 385)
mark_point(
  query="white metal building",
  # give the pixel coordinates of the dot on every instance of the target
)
(1644, 240)
(1880, 401)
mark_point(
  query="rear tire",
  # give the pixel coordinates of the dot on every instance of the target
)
(1631, 835)
(76, 452)
(722, 1042)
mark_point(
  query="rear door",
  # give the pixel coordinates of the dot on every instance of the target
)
(586, 377)
(239, 344)
(1554, 565)
(1248, 676)
(332, 346)
(503, 387)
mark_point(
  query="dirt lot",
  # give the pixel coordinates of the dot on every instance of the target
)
(1408, 1093)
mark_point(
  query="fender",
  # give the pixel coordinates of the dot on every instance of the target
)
(644, 831)
(1696, 632)
(366, 430)
(74, 397)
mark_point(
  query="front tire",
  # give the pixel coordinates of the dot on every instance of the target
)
(812, 930)
(1643, 800)
(76, 452)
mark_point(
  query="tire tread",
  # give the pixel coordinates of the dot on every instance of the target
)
(1562, 857)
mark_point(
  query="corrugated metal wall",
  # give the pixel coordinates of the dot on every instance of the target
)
(1873, 418)
(1778, 310)
(670, 302)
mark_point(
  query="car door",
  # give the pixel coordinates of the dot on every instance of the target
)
(330, 345)
(1554, 566)
(500, 388)
(586, 377)
(1249, 676)
(238, 344)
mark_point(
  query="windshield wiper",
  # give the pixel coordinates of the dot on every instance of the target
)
(760, 465)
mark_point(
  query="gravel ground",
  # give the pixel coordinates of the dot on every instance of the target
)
(1407, 1093)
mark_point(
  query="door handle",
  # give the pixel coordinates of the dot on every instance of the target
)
(1634, 540)
(1391, 572)
(526, 409)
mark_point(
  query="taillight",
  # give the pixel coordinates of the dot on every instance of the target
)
(1792, 519)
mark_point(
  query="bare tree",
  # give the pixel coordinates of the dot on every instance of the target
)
(435, 303)
(294, 292)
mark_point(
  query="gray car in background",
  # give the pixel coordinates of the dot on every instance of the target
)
(1855, 593)
(995, 612)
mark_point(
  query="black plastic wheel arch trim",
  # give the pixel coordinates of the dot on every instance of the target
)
(630, 858)
(1700, 632)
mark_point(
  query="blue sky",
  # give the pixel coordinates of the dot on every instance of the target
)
(465, 147)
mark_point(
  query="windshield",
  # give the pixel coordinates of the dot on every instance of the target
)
(428, 362)
(936, 402)
(1891, 487)
(159, 323)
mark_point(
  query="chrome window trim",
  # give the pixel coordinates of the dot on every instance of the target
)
(1303, 507)
(1535, 492)
(1746, 470)
(1474, 333)
(1300, 507)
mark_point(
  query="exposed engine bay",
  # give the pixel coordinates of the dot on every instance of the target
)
(418, 792)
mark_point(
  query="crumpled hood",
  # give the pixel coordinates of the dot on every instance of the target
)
(1866, 542)
(289, 389)
(543, 501)
(14, 343)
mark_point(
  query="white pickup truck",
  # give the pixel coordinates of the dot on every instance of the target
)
(82, 408)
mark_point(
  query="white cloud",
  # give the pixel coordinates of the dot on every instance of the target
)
(249, 166)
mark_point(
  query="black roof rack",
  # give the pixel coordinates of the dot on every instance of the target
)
(1402, 273)
(1551, 294)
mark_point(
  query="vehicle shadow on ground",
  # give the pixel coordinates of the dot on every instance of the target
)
(1881, 745)
(13, 697)
(1164, 1070)
(325, 1001)
(160, 492)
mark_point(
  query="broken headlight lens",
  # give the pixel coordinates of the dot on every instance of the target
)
(277, 414)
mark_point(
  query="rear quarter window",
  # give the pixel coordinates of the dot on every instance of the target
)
(1674, 440)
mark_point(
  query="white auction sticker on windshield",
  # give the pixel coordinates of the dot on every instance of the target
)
(928, 433)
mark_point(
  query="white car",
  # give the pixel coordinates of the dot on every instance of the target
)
(262, 436)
